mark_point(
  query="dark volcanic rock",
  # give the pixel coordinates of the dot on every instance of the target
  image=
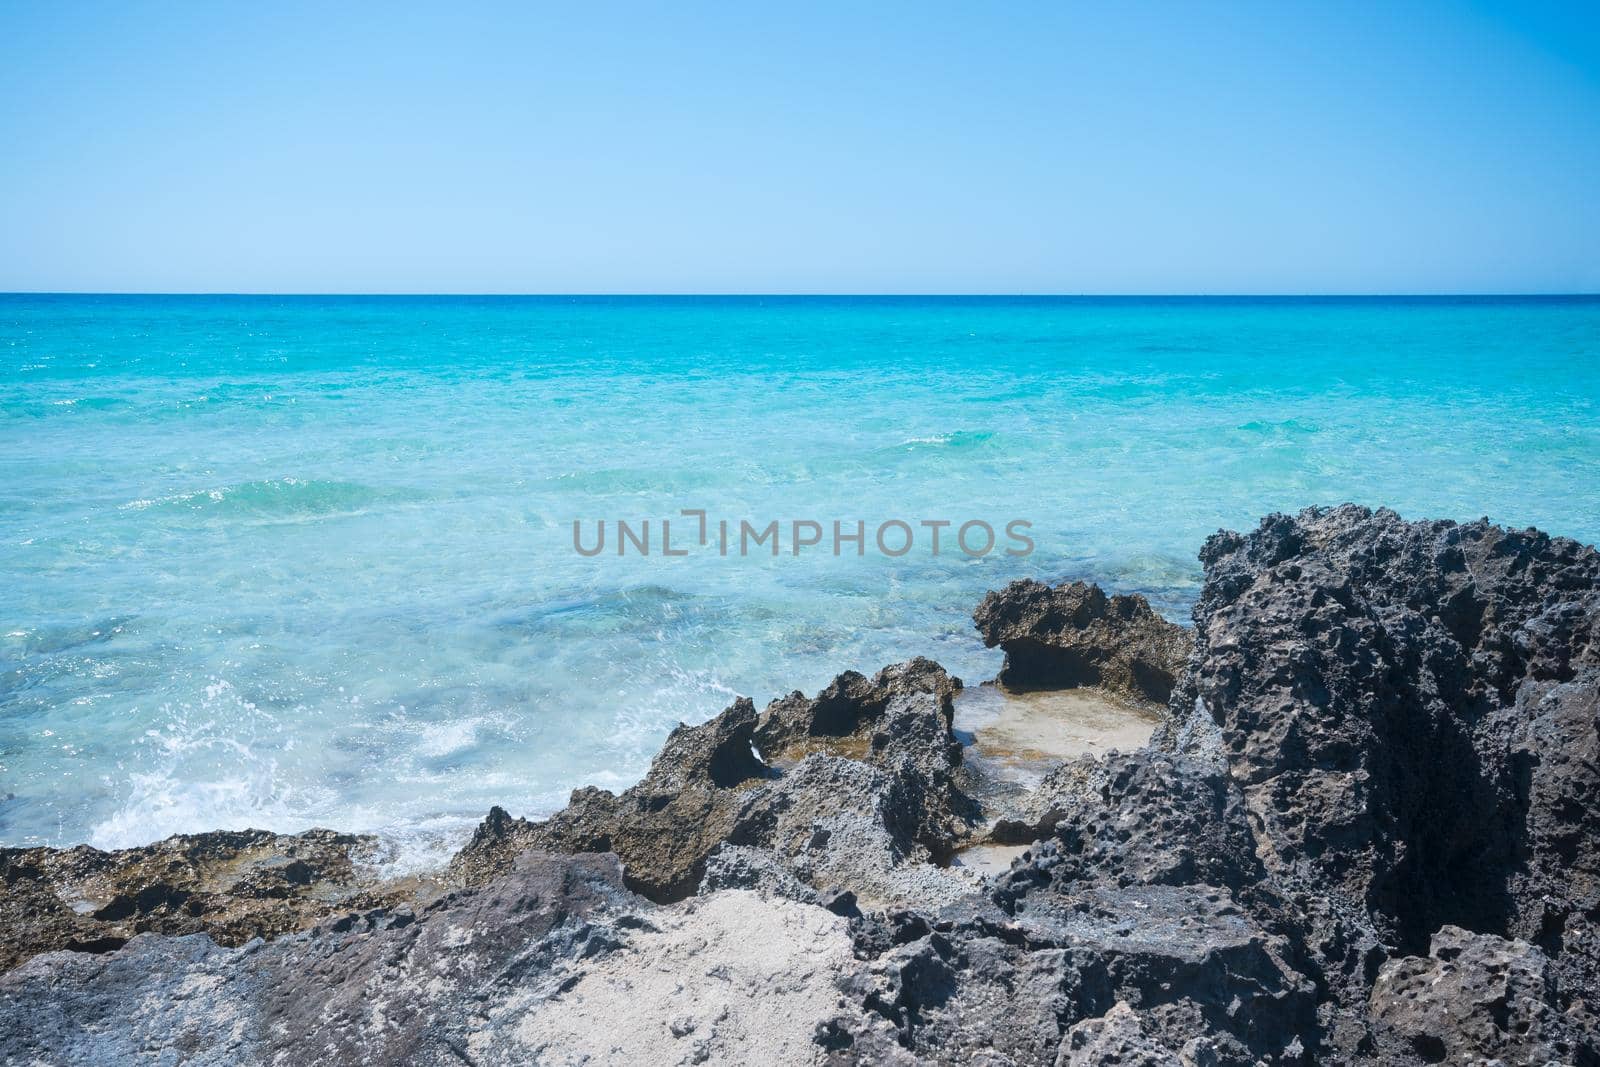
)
(1554, 764)
(1364, 673)
(1145, 818)
(1117, 1037)
(1408, 711)
(1385, 728)
(1074, 635)
(1366, 833)
(1477, 998)
(234, 885)
(1145, 892)
(1007, 982)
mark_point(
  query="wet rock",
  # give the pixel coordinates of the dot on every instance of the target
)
(1477, 998)
(234, 885)
(1075, 635)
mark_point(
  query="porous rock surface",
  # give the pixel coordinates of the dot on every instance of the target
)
(1064, 636)
(234, 884)
(1365, 834)
(1478, 996)
(860, 784)
(403, 986)
(1407, 711)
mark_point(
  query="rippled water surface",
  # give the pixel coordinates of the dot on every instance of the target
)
(293, 561)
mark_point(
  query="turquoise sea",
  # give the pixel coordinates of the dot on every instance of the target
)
(294, 561)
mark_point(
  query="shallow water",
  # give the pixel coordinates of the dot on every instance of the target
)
(1020, 736)
(292, 561)
(1014, 739)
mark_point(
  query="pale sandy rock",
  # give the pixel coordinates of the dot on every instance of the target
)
(733, 978)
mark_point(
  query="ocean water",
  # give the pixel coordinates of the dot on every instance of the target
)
(286, 562)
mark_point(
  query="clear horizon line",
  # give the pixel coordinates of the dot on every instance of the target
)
(688, 295)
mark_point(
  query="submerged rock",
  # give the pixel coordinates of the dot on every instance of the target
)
(1074, 635)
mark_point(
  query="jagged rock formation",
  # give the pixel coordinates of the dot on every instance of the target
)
(1365, 834)
(861, 784)
(1072, 635)
(1405, 710)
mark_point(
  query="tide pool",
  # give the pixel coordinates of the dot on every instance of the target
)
(282, 562)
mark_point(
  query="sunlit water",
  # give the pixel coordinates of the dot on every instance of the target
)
(284, 562)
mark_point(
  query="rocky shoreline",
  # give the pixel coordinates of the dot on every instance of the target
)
(1363, 832)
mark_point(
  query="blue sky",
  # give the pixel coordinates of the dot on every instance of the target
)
(917, 147)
